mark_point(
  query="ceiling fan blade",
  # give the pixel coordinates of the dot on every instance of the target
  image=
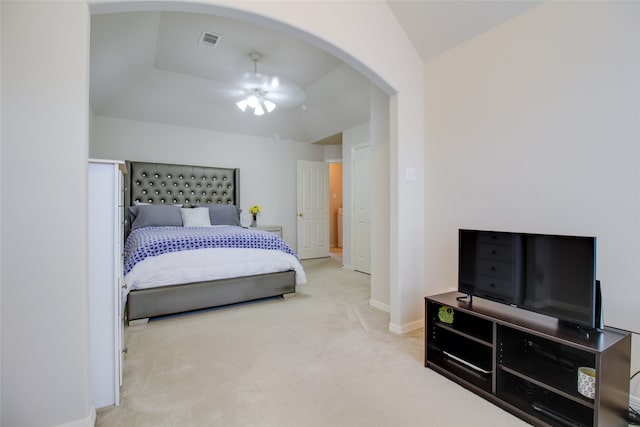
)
(286, 99)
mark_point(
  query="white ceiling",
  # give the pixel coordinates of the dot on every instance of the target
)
(436, 26)
(150, 66)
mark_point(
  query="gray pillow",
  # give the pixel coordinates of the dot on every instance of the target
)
(155, 216)
(133, 210)
(220, 214)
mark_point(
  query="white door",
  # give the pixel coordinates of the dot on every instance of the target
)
(361, 196)
(313, 209)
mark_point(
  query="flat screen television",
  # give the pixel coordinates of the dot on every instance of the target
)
(548, 274)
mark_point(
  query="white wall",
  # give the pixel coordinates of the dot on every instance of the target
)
(534, 127)
(379, 132)
(44, 96)
(267, 167)
(333, 152)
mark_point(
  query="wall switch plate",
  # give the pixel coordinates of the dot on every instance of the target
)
(410, 174)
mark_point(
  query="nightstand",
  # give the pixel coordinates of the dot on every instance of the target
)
(270, 228)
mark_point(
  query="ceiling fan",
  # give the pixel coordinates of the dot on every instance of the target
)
(261, 93)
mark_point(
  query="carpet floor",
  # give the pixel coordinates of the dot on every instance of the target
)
(322, 358)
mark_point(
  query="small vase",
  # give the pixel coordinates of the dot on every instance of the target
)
(254, 221)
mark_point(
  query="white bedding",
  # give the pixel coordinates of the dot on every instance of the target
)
(209, 264)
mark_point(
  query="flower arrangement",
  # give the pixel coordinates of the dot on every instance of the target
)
(255, 210)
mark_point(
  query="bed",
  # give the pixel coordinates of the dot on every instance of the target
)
(185, 248)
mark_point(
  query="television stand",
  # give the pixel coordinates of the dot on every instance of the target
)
(527, 363)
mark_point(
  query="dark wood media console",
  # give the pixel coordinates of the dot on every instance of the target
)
(526, 363)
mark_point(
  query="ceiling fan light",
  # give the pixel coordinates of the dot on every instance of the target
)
(252, 101)
(242, 105)
(255, 96)
(270, 106)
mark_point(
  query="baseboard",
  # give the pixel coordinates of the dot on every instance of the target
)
(90, 421)
(407, 327)
(379, 305)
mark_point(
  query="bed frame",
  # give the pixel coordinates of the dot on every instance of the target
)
(158, 183)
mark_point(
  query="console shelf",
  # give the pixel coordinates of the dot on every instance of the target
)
(527, 363)
(463, 334)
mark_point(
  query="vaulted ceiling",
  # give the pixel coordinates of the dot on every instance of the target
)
(152, 66)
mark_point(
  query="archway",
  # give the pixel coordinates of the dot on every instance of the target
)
(286, 18)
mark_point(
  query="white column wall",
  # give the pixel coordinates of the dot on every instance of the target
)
(379, 132)
(45, 89)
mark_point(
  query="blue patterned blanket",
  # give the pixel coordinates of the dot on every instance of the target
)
(153, 241)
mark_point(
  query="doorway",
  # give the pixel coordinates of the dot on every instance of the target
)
(336, 210)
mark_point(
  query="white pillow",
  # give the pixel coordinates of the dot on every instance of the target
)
(195, 217)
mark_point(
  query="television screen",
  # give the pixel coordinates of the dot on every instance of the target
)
(549, 274)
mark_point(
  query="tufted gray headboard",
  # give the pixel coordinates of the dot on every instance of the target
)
(183, 184)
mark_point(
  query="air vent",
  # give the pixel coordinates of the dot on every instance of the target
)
(209, 39)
